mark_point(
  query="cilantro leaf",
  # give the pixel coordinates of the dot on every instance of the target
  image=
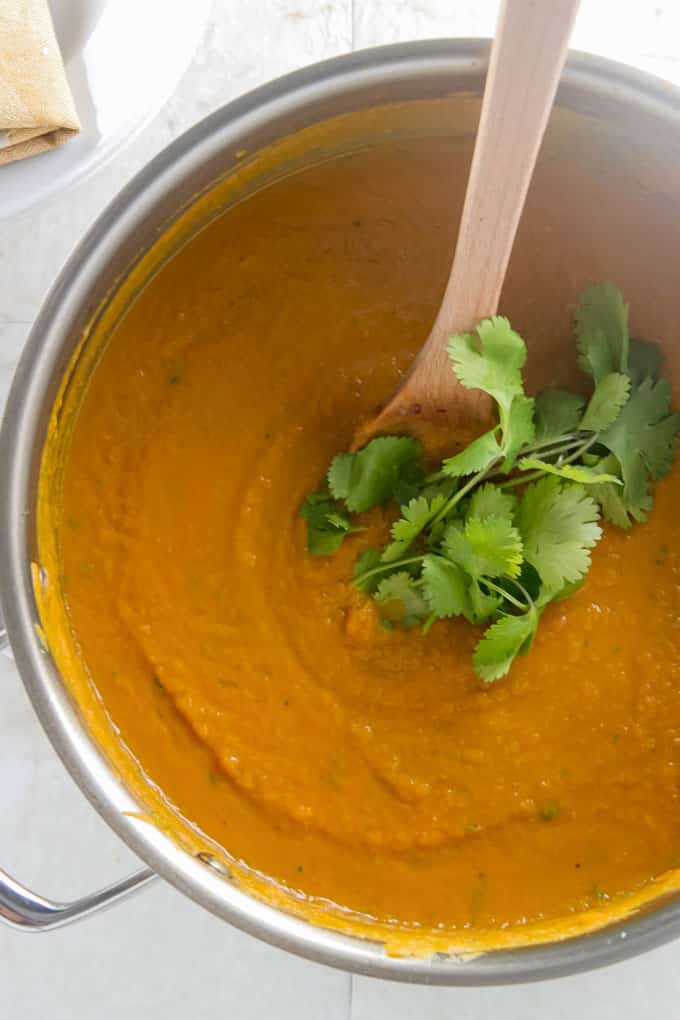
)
(573, 472)
(491, 501)
(501, 642)
(610, 496)
(615, 510)
(643, 438)
(327, 524)
(409, 482)
(370, 569)
(483, 603)
(373, 475)
(414, 517)
(564, 593)
(339, 475)
(485, 547)
(490, 361)
(645, 360)
(444, 487)
(401, 600)
(557, 412)
(558, 523)
(601, 326)
(611, 393)
(496, 546)
(480, 454)
(337, 519)
(324, 542)
(519, 430)
(444, 587)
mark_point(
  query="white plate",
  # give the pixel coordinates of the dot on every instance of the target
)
(123, 59)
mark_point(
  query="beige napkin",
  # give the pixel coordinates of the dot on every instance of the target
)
(36, 106)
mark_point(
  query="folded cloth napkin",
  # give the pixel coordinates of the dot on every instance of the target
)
(37, 112)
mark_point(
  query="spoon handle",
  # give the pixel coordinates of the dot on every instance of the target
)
(526, 61)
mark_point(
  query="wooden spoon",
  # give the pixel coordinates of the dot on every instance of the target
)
(526, 61)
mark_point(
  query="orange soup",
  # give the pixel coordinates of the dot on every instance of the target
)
(357, 767)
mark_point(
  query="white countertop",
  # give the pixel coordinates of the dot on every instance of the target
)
(157, 955)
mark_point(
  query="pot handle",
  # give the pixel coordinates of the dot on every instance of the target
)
(26, 911)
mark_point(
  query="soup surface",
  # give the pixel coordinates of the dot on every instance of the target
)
(365, 768)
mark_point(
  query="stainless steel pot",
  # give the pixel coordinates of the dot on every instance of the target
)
(636, 102)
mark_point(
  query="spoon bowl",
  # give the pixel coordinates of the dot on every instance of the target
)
(526, 62)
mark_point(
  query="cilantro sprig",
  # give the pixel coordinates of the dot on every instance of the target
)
(327, 522)
(508, 525)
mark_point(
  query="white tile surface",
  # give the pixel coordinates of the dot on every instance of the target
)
(643, 989)
(639, 32)
(158, 956)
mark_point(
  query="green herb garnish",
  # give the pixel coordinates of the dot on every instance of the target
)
(508, 524)
(327, 522)
(549, 812)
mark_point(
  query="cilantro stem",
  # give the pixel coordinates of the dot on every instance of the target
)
(530, 476)
(567, 437)
(506, 595)
(547, 448)
(382, 567)
(432, 618)
(436, 476)
(554, 450)
(539, 472)
(457, 496)
(529, 451)
(582, 449)
(529, 601)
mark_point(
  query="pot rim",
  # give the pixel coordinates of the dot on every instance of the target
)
(21, 440)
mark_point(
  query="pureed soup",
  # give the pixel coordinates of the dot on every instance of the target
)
(352, 765)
